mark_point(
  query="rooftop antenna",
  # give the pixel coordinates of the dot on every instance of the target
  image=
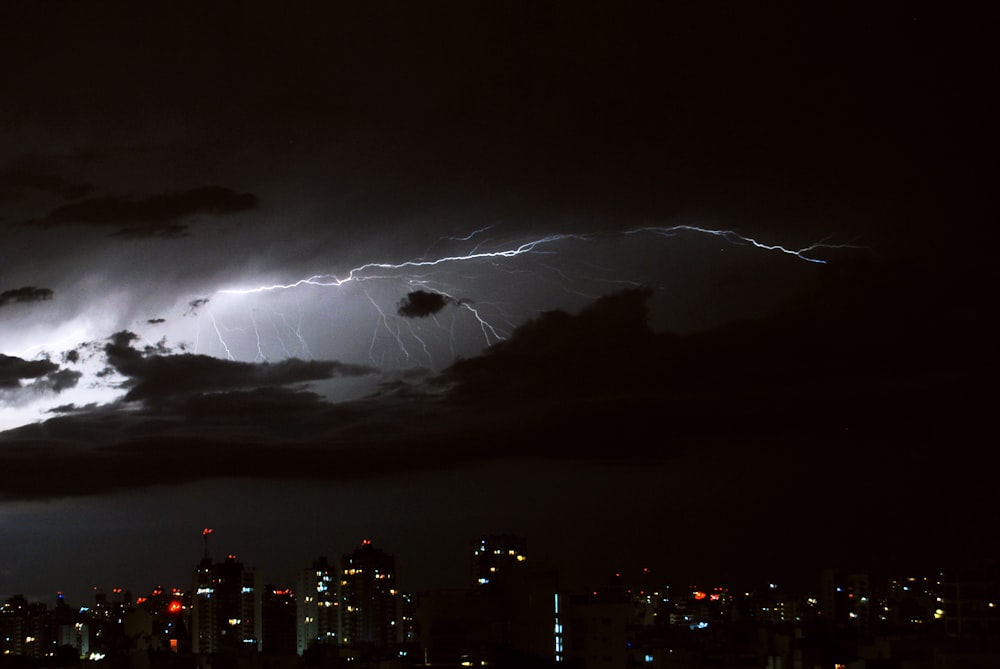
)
(204, 533)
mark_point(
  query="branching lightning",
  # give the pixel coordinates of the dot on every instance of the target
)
(447, 275)
(488, 287)
(539, 245)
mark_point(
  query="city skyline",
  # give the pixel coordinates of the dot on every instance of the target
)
(475, 567)
(511, 610)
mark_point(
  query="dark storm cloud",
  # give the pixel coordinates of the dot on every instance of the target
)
(61, 380)
(595, 386)
(194, 305)
(422, 303)
(607, 346)
(154, 376)
(25, 294)
(13, 370)
(21, 380)
(162, 231)
(156, 215)
(13, 182)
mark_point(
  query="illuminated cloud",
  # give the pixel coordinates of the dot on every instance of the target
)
(153, 375)
(591, 386)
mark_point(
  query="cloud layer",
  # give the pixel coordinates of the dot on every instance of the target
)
(25, 294)
(597, 386)
(154, 376)
(155, 215)
(423, 303)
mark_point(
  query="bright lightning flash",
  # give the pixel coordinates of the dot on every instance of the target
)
(479, 282)
(485, 288)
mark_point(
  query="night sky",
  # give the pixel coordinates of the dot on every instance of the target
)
(700, 286)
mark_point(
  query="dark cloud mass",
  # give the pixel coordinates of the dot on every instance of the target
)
(13, 182)
(25, 294)
(422, 303)
(13, 370)
(153, 377)
(62, 379)
(595, 386)
(156, 215)
(194, 305)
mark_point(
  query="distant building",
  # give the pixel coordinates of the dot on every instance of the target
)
(24, 628)
(317, 606)
(453, 627)
(845, 599)
(76, 636)
(596, 631)
(158, 621)
(370, 602)
(510, 616)
(912, 604)
(493, 555)
(226, 611)
(971, 600)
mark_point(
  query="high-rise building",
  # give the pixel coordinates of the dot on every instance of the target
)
(971, 600)
(23, 629)
(317, 606)
(493, 556)
(226, 606)
(845, 600)
(369, 599)
(279, 621)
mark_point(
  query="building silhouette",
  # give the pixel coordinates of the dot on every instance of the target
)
(226, 606)
(493, 555)
(370, 602)
(317, 606)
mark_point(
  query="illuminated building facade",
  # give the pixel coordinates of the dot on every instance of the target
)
(226, 611)
(595, 631)
(279, 620)
(317, 606)
(845, 599)
(370, 602)
(494, 555)
(22, 628)
(971, 600)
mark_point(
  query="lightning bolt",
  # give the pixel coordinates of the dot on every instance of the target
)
(539, 245)
(558, 254)
(384, 319)
(222, 340)
(256, 332)
(549, 264)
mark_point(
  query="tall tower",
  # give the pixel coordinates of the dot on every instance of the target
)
(226, 606)
(317, 606)
(370, 603)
